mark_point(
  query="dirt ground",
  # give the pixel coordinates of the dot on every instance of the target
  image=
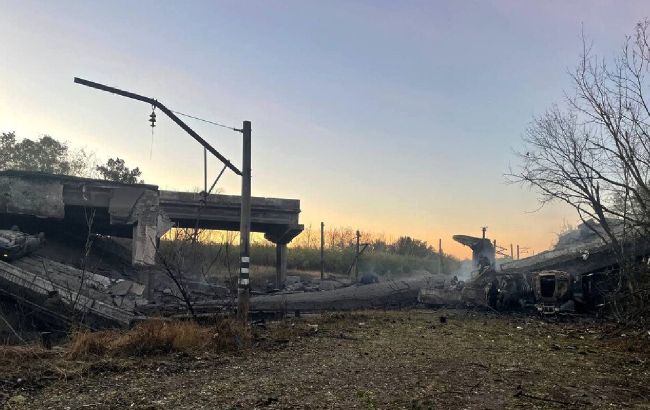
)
(366, 360)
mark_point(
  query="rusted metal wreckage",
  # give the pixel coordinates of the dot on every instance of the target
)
(574, 276)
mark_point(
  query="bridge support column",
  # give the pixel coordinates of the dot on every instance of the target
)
(280, 264)
(281, 237)
(143, 249)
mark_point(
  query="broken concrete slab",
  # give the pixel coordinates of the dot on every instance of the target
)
(121, 288)
(137, 289)
(60, 299)
(329, 285)
(127, 304)
(379, 295)
(292, 280)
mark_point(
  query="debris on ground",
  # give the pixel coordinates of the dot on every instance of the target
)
(477, 360)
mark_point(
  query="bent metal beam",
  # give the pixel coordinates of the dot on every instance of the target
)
(167, 111)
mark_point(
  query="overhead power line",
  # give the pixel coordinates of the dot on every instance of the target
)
(208, 121)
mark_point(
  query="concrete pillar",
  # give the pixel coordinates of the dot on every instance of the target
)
(143, 248)
(147, 277)
(280, 264)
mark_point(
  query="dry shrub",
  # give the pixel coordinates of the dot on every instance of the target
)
(85, 343)
(17, 354)
(230, 334)
(160, 337)
(155, 337)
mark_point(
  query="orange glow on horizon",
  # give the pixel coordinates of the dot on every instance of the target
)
(449, 246)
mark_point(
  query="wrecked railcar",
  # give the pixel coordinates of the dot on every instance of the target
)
(548, 292)
(553, 291)
(575, 276)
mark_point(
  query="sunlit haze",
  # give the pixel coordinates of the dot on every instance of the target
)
(390, 117)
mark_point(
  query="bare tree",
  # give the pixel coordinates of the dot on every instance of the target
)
(180, 258)
(593, 152)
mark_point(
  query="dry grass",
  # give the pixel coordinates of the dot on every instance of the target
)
(9, 354)
(159, 337)
(370, 359)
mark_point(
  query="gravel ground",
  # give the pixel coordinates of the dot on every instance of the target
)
(367, 360)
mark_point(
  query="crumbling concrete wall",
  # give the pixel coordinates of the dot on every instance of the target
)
(43, 199)
(137, 211)
(121, 209)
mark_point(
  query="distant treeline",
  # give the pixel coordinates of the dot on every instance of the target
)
(339, 261)
(382, 256)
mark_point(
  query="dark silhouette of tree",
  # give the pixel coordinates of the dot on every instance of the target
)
(49, 155)
(116, 170)
(408, 246)
(7, 143)
(44, 155)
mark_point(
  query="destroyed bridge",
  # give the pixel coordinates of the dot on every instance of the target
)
(138, 211)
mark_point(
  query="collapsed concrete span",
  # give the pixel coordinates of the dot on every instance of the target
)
(36, 201)
(63, 294)
(384, 295)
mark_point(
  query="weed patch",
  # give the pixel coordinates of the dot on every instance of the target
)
(160, 337)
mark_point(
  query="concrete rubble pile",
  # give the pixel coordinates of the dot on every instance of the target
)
(295, 283)
(61, 293)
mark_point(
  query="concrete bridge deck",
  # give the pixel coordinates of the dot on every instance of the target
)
(277, 218)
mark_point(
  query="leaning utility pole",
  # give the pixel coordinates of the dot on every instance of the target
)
(243, 290)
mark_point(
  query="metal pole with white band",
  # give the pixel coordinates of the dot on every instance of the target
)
(243, 289)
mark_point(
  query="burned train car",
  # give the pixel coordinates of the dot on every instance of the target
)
(573, 277)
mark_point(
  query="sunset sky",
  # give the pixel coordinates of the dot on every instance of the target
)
(387, 116)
